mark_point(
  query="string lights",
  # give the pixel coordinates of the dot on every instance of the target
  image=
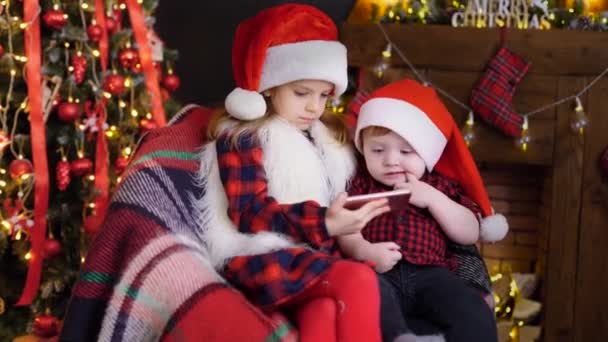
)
(579, 119)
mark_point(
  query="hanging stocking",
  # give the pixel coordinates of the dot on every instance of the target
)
(492, 97)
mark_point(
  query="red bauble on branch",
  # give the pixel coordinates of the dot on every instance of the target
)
(81, 166)
(45, 326)
(19, 167)
(147, 125)
(111, 25)
(79, 63)
(94, 32)
(114, 84)
(1, 50)
(55, 19)
(63, 174)
(121, 164)
(171, 82)
(69, 111)
(51, 248)
(128, 58)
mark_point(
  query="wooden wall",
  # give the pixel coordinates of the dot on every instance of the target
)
(553, 194)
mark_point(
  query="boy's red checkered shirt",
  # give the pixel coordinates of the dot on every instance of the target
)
(420, 236)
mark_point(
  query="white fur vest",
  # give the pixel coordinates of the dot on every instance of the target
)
(296, 171)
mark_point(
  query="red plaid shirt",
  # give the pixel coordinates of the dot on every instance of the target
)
(420, 236)
(273, 278)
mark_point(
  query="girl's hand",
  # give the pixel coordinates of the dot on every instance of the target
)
(342, 221)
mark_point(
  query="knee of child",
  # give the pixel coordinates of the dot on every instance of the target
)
(324, 306)
(363, 276)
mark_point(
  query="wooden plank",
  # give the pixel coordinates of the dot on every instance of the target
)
(552, 52)
(592, 277)
(523, 223)
(563, 236)
(513, 193)
(510, 251)
(527, 239)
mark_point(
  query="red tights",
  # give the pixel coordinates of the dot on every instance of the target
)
(343, 306)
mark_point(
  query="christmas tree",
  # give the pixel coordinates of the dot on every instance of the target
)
(80, 82)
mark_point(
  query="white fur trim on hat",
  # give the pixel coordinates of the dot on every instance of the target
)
(408, 121)
(313, 60)
(493, 228)
(245, 104)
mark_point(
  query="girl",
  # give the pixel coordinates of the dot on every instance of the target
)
(275, 173)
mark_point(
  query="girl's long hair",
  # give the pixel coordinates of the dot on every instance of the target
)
(221, 119)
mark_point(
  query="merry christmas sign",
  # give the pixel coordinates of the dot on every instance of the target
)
(503, 13)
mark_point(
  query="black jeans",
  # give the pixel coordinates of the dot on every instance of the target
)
(429, 299)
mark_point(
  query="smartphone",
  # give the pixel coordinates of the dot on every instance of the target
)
(397, 199)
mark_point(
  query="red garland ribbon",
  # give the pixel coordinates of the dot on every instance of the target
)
(100, 18)
(102, 180)
(145, 57)
(31, 10)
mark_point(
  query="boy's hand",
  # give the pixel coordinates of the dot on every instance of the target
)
(422, 192)
(342, 221)
(385, 255)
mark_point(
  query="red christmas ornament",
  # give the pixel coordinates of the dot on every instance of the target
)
(45, 326)
(111, 25)
(147, 125)
(81, 166)
(62, 175)
(137, 68)
(51, 248)
(69, 111)
(121, 164)
(55, 19)
(604, 162)
(1, 50)
(114, 84)
(19, 167)
(79, 63)
(128, 58)
(171, 82)
(94, 32)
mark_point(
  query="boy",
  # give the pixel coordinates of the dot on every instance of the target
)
(409, 140)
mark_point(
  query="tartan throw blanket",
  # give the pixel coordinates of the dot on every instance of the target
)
(146, 268)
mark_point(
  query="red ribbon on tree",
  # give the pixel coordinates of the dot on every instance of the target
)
(100, 18)
(102, 180)
(145, 57)
(31, 11)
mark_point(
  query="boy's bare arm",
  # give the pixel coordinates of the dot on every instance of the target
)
(457, 221)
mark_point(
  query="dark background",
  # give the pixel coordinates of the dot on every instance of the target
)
(202, 32)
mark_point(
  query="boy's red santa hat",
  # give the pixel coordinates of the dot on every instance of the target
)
(279, 45)
(416, 113)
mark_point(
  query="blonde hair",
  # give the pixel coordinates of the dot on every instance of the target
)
(220, 119)
(373, 131)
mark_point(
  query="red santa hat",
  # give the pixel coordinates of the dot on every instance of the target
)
(416, 113)
(279, 45)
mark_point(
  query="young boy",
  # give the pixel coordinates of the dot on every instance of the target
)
(409, 140)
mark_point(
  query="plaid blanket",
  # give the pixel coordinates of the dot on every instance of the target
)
(146, 276)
